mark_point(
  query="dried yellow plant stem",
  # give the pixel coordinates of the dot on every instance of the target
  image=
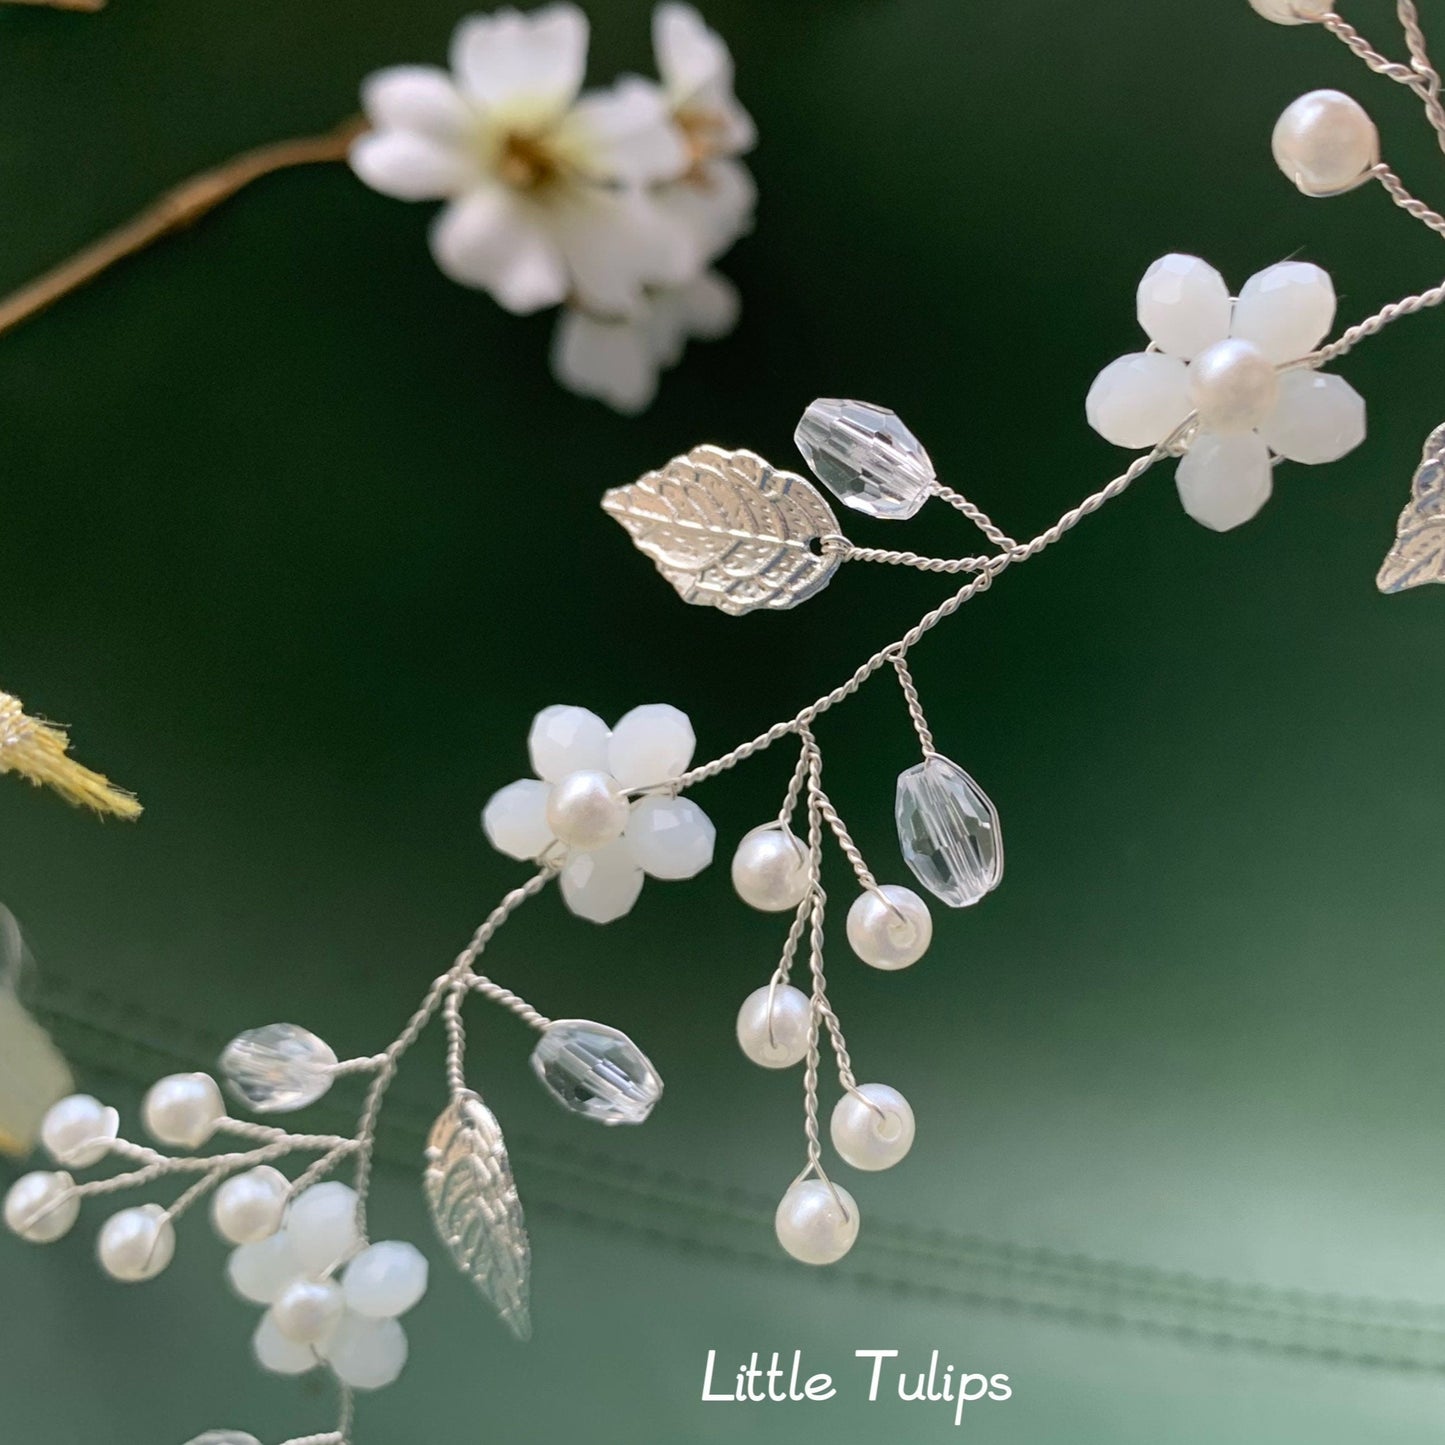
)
(174, 211)
(39, 751)
(91, 5)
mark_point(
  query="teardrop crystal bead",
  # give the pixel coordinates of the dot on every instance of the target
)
(866, 457)
(596, 1071)
(278, 1068)
(948, 831)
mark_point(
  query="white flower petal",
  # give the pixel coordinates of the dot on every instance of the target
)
(1286, 310)
(1139, 400)
(715, 202)
(526, 64)
(603, 885)
(609, 360)
(671, 838)
(421, 98)
(1223, 481)
(564, 739)
(652, 744)
(1318, 419)
(616, 244)
(625, 134)
(515, 819)
(411, 166)
(1184, 305)
(498, 241)
(690, 56)
(706, 308)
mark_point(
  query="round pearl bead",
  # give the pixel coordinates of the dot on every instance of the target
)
(587, 810)
(779, 1040)
(875, 1131)
(771, 870)
(248, 1208)
(321, 1226)
(386, 1280)
(307, 1310)
(182, 1110)
(136, 1244)
(36, 1207)
(890, 931)
(77, 1131)
(817, 1223)
(1326, 143)
(1234, 387)
(1293, 12)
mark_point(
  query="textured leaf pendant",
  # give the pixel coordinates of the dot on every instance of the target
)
(730, 531)
(475, 1208)
(1418, 555)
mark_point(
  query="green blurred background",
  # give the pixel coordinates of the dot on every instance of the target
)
(299, 535)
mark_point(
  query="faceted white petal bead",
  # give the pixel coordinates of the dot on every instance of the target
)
(136, 1244)
(817, 1223)
(1318, 419)
(566, 740)
(1224, 481)
(874, 1131)
(1326, 143)
(367, 1354)
(36, 1207)
(866, 457)
(274, 1352)
(890, 927)
(385, 1280)
(515, 819)
(308, 1310)
(1286, 310)
(771, 870)
(259, 1272)
(773, 1026)
(652, 744)
(1138, 400)
(587, 810)
(1233, 386)
(1183, 305)
(602, 886)
(182, 1110)
(278, 1068)
(1293, 12)
(321, 1225)
(77, 1131)
(671, 837)
(249, 1207)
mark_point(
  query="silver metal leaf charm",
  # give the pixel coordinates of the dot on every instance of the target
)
(730, 531)
(1418, 555)
(475, 1208)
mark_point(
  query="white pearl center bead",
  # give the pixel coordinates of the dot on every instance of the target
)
(773, 1026)
(1233, 386)
(307, 1310)
(889, 927)
(873, 1131)
(817, 1223)
(587, 810)
(771, 870)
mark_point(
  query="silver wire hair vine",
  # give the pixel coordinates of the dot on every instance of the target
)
(1229, 385)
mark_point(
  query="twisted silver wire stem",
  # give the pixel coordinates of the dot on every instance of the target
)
(915, 707)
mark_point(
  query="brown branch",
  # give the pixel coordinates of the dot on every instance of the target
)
(174, 211)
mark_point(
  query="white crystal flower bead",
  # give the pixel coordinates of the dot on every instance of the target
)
(77, 1132)
(278, 1068)
(385, 1280)
(1235, 368)
(602, 886)
(366, 1354)
(866, 457)
(136, 1244)
(817, 1222)
(948, 832)
(259, 1272)
(652, 744)
(321, 1226)
(670, 838)
(566, 739)
(596, 1071)
(515, 819)
(41, 1207)
(278, 1355)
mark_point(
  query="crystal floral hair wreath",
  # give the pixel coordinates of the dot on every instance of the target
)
(1229, 386)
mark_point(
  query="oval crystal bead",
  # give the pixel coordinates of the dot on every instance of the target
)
(596, 1071)
(866, 457)
(278, 1068)
(948, 831)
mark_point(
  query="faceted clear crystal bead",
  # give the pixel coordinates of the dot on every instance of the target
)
(948, 831)
(866, 457)
(278, 1068)
(596, 1071)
